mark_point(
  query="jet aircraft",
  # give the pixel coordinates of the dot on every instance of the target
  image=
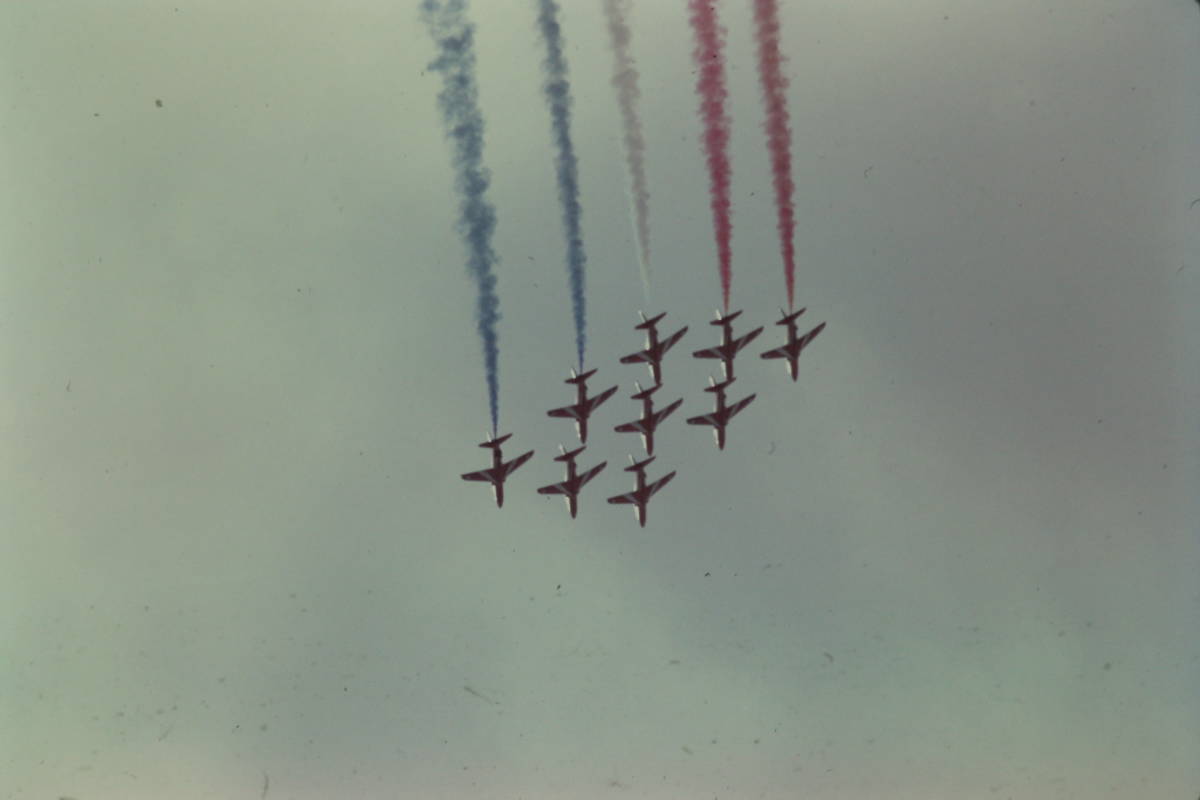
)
(655, 348)
(720, 416)
(729, 346)
(584, 405)
(500, 469)
(795, 344)
(574, 482)
(642, 492)
(649, 419)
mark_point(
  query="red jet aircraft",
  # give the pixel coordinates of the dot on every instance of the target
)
(795, 344)
(584, 405)
(655, 349)
(720, 417)
(643, 491)
(729, 346)
(650, 418)
(500, 469)
(574, 482)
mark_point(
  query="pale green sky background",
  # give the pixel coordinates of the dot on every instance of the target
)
(239, 380)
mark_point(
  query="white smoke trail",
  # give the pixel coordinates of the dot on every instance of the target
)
(625, 81)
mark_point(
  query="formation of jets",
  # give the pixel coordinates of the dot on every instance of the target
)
(651, 418)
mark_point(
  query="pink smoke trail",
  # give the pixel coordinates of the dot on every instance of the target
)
(625, 81)
(710, 85)
(774, 88)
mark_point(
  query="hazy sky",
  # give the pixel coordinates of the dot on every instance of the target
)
(239, 379)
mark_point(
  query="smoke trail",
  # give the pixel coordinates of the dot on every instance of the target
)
(774, 87)
(625, 80)
(711, 87)
(558, 96)
(454, 37)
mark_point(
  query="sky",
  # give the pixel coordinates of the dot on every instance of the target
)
(240, 378)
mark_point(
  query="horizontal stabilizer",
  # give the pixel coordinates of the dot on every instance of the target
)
(642, 394)
(496, 441)
(569, 455)
(786, 318)
(578, 378)
(649, 322)
(638, 466)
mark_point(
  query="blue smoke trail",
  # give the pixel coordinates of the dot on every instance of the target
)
(454, 37)
(558, 96)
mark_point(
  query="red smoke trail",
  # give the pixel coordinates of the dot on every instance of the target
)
(774, 87)
(711, 87)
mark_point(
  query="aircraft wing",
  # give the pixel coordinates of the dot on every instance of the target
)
(804, 340)
(481, 475)
(565, 411)
(663, 413)
(623, 499)
(740, 404)
(511, 466)
(666, 344)
(747, 339)
(629, 427)
(703, 419)
(660, 483)
(635, 358)
(778, 352)
(591, 473)
(600, 398)
(555, 488)
(708, 352)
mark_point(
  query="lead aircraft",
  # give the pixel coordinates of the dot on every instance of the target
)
(500, 469)
(795, 344)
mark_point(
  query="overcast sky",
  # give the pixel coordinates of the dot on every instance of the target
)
(239, 379)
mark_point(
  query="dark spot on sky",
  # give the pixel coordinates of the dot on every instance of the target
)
(158, 103)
